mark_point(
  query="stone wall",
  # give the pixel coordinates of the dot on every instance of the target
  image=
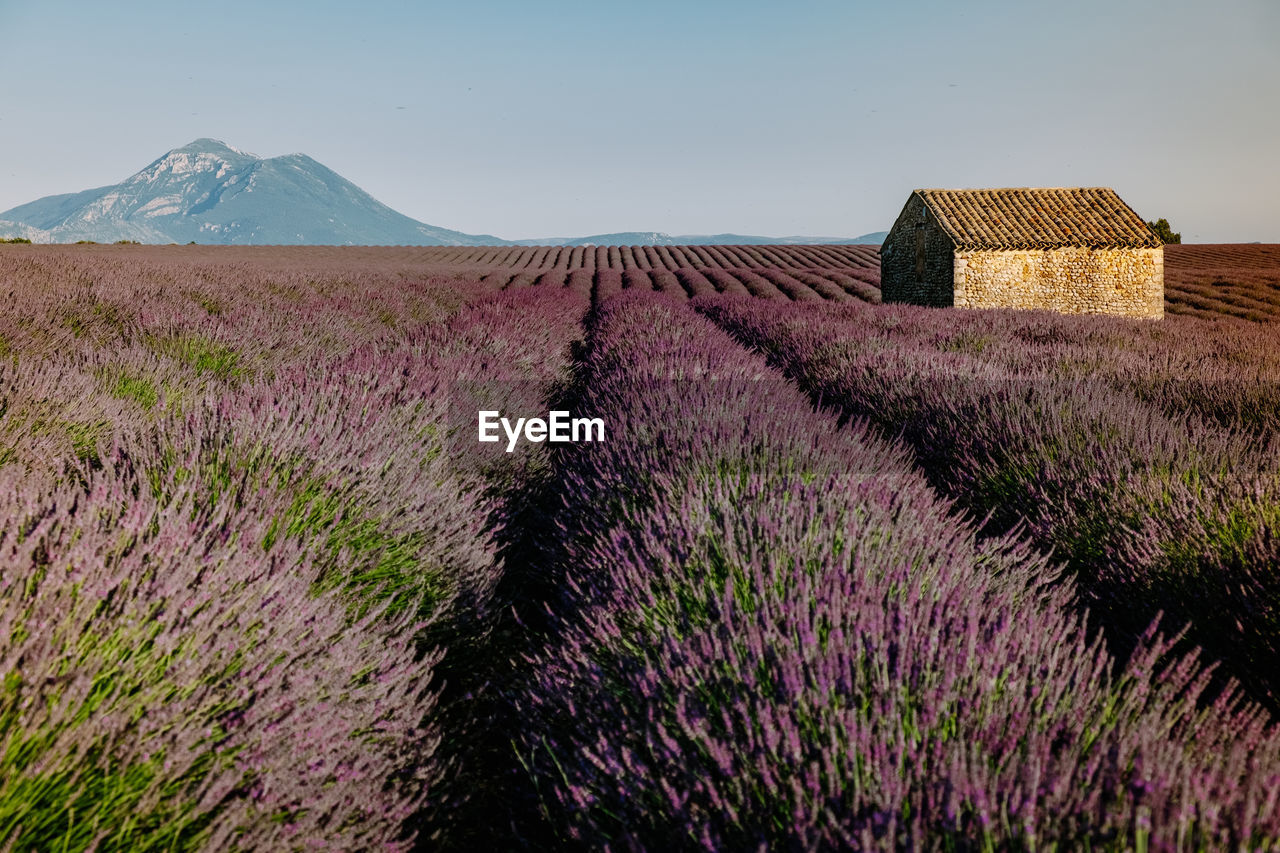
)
(1070, 280)
(916, 259)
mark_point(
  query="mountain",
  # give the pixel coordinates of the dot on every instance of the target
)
(210, 192)
(658, 238)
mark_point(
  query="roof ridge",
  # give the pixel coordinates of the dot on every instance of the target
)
(1002, 189)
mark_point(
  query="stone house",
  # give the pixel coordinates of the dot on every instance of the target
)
(1077, 250)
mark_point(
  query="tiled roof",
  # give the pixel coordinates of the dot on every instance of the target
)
(1032, 218)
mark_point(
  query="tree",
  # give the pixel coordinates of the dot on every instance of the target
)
(1164, 232)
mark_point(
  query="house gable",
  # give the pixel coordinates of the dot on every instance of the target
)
(916, 258)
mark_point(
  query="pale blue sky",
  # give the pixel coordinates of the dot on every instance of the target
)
(526, 119)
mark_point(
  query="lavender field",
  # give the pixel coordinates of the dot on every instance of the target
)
(842, 575)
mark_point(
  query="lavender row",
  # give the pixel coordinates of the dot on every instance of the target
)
(228, 617)
(1151, 512)
(93, 341)
(686, 281)
(774, 634)
(174, 678)
(1225, 371)
(374, 427)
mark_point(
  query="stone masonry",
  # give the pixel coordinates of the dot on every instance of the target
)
(1069, 280)
(916, 259)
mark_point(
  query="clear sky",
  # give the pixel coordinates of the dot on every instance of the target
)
(563, 118)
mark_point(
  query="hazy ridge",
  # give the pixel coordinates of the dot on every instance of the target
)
(210, 192)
